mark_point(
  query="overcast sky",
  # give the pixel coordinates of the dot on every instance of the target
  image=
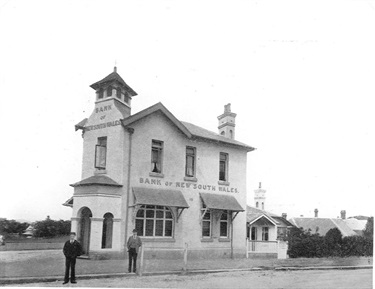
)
(299, 74)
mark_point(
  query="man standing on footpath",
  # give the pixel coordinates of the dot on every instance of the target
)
(72, 249)
(134, 242)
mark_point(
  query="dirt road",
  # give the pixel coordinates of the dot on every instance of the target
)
(359, 279)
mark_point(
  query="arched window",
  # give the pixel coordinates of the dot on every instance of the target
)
(107, 231)
(262, 206)
(257, 204)
(223, 133)
(231, 134)
(154, 221)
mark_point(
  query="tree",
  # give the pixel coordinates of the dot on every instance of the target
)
(12, 227)
(368, 232)
(49, 228)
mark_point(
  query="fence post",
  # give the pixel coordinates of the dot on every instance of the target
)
(247, 248)
(140, 270)
(185, 257)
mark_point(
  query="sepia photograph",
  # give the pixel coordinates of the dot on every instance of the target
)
(187, 144)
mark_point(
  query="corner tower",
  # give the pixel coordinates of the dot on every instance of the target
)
(227, 122)
(114, 89)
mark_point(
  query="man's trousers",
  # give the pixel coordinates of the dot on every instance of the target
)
(70, 263)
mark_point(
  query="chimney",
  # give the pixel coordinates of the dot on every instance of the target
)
(283, 215)
(316, 213)
(343, 214)
(227, 122)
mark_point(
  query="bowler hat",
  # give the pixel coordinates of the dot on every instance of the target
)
(134, 231)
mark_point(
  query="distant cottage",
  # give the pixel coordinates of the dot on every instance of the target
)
(347, 227)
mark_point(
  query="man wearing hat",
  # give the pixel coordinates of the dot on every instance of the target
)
(134, 242)
(72, 249)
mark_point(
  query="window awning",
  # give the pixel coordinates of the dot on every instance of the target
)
(159, 197)
(221, 202)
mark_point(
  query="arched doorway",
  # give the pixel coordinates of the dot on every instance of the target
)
(85, 228)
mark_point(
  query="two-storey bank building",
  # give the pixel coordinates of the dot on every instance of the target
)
(176, 183)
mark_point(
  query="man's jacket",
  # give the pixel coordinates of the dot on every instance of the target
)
(134, 243)
(72, 250)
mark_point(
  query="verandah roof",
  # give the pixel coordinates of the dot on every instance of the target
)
(221, 202)
(159, 197)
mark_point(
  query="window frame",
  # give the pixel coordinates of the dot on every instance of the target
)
(145, 208)
(208, 211)
(228, 223)
(158, 146)
(194, 157)
(226, 165)
(265, 234)
(101, 153)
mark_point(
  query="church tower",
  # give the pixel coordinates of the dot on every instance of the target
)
(259, 197)
(227, 122)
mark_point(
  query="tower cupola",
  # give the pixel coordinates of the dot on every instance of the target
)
(227, 122)
(260, 197)
(114, 87)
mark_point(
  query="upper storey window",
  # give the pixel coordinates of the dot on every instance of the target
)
(190, 162)
(156, 156)
(223, 167)
(118, 93)
(101, 153)
(109, 91)
(126, 97)
(100, 94)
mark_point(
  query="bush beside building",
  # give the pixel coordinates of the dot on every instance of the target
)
(333, 244)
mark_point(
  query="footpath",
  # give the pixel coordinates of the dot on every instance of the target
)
(19, 267)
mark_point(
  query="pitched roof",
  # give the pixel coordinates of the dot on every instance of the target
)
(68, 202)
(323, 225)
(81, 124)
(200, 132)
(190, 130)
(97, 180)
(114, 76)
(253, 214)
(156, 107)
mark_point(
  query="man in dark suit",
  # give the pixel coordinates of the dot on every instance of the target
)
(134, 242)
(72, 249)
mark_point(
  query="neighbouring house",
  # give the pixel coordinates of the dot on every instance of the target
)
(29, 232)
(348, 227)
(266, 232)
(176, 183)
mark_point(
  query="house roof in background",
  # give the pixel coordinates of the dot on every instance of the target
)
(323, 225)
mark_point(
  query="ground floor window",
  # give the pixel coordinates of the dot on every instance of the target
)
(265, 233)
(253, 235)
(206, 223)
(154, 221)
(224, 224)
